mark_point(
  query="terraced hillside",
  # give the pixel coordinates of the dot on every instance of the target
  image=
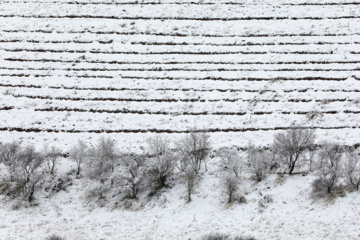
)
(241, 70)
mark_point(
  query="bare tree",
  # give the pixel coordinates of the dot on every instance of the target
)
(52, 155)
(134, 173)
(190, 178)
(292, 144)
(193, 150)
(106, 150)
(312, 156)
(158, 145)
(330, 167)
(102, 158)
(352, 168)
(231, 177)
(29, 176)
(231, 185)
(78, 154)
(9, 154)
(162, 163)
(232, 161)
(259, 161)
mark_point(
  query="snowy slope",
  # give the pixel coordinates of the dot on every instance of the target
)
(293, 214)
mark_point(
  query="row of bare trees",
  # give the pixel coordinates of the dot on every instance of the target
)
(151, 169)
(162, 161)
(105, 164)
(335, 166)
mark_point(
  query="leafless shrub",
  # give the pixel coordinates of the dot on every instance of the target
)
(162, 163)
(134, 174)
(244, 238)
(230, 184)
(232, 161)
(95, 190)
(231, 176)
(54, 237)
(78, 154)
(102, 158)
(52, 155)
(222, 236)
(265, 201)
(9, 156)
(190, 178)
(352, 168)
(55, 185)
(216, 236)
(291, 145)
(15, 205)
(193, 150)
(29, 173)
(259, 162)
(329, 168)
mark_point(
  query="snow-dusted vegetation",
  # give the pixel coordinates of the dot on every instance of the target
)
(182, 190)
(169, 119)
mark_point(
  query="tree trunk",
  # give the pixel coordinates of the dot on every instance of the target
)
(329, 189)
(31, 194)
(52, 169)
(78, 170)
(292, 168)
(134, 191)
(162, 181)
(189, 196)
(230, 197)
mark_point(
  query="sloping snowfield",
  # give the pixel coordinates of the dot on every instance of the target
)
(293, 214)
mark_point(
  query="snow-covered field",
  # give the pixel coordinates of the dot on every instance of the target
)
(241, 70)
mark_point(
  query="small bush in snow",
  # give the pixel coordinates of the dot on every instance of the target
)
(15, 205)
(222, 236)
(244, 238)
(352, 169)
(52, 155)
(230, 185)
(57, 185)
(231, 176)
(78, 153)
(291, 145)
(263, 202)
(162, 163)
(9, 156)
(134, 174)
(259, 162)
(329, 169)
(232, 162)
(29, 172)
(102, 159)
(216, 236)
(54, 237)
(193, 150)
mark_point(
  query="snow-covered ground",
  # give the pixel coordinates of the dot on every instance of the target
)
(293, 214)
(242, 70)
